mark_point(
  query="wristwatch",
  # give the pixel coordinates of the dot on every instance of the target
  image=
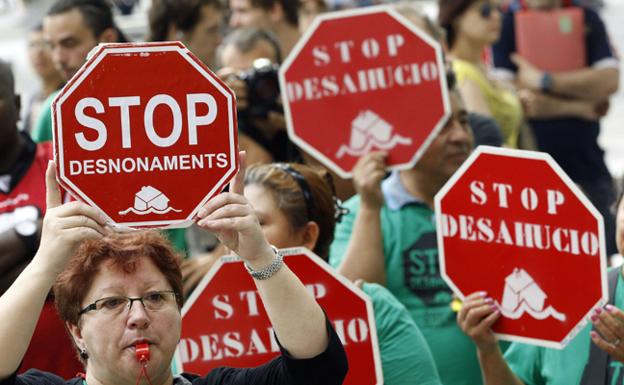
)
(270, 270)
(27, 232)
(546, 83)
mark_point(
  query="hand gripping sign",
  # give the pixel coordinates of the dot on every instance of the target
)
(364, 80)
(146, 133)
(224, 322)
(513, 224)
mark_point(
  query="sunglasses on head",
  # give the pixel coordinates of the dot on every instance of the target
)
(486, 9)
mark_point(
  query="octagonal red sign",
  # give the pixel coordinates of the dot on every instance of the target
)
(512, 223)
(364, 80)
(146, 133)
(225, 324)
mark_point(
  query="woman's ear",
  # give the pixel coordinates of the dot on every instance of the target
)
(76, 334)
(310, 235)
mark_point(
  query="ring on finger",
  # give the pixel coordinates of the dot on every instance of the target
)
(616, 342)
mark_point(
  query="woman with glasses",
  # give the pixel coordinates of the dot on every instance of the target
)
(472, 26)
(120, 297)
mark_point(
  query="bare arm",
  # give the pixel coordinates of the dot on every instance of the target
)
(63, 229)
(587, 83)
(364, 257)
(298, 321)
(590, 84)
(475, 319)
(538, 105)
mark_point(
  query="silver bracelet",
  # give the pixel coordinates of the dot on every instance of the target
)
(269, 270)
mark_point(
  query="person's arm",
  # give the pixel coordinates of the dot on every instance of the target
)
(364, 256)
(593, 84)
(587, 83)
(298, 321)
(64, 227)
(538, 105)
(475, 319)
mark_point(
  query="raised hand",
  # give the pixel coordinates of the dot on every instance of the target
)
(476, 317)
(232, 219)
(609, 324)
(65, 226)
(528, 76)
(368, 173)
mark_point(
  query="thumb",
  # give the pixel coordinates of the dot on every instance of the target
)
(237, 185)
(53, 193)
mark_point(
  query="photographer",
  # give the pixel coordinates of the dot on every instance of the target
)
(250, 58)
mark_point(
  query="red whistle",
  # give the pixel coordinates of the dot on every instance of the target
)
(142, 352)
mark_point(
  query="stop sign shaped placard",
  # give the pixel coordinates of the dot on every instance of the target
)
(224, 322)
(513, 224)
(146, 133)
(364, 80)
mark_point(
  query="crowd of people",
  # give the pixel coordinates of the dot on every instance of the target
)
(68, 281)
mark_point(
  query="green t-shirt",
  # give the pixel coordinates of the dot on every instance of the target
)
(543, 366)
(42, 132)
(413, 276)
(405, 355)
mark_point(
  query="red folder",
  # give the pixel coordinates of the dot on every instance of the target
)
(552, 40)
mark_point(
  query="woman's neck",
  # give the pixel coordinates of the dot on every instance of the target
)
(164, 378)
(468, 50)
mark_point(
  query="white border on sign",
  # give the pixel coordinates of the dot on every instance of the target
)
(96, 58)
(326, 161)
(578, 194)
(292, 251)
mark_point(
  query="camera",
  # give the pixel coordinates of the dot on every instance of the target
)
(262, 89)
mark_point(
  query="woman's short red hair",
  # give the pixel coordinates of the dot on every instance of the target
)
(122, 251)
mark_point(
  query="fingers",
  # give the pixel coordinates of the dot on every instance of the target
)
(237, 185)
(53, 193)
(476, 317)
(609, 323)
(475, 309)
(602, 343)
(469, 301)
(78, 208)
(219, 201)
(232, 210)
(80, 221)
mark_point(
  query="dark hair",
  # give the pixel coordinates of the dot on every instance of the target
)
(289, 195)
(6, 76)
(290, 7)
(97, 15)
(184, 14)
(449, 11)
(246, 39)
(122, 251)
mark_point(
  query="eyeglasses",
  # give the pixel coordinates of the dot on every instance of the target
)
(486, 9)
(115, 305)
